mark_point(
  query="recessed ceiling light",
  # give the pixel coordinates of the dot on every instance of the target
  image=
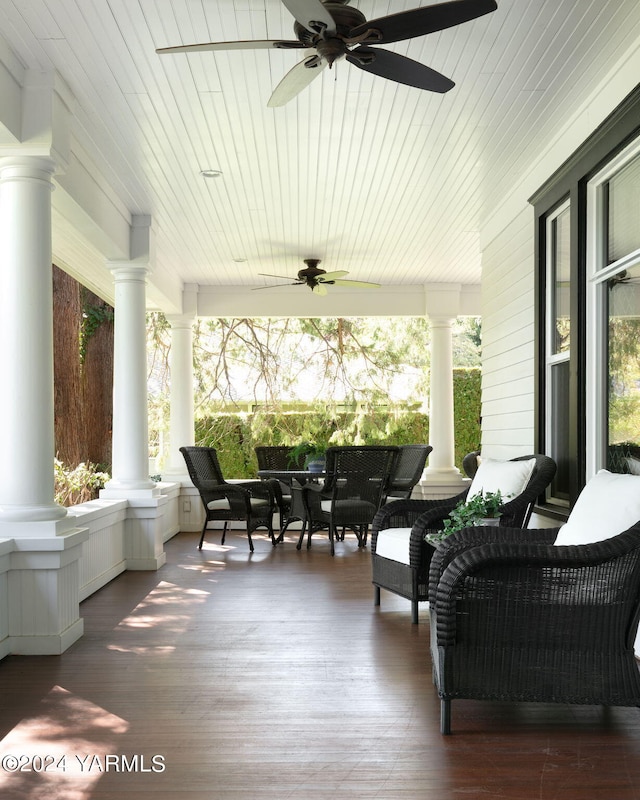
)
(211, 173)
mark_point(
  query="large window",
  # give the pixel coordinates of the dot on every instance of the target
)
(558, 349)
(613, 439)
(588, 307)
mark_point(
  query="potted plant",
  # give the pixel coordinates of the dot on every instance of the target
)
(311, 454)
(482, 509)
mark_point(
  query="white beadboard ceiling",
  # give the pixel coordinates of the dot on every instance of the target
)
(388, 182)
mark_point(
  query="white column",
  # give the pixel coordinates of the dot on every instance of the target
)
(39, 546)
(130, 460)
(26, 332)
(181, 430)
(441, 467)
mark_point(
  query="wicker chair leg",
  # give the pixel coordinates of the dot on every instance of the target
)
(445, 717)
(414, 612)
(224, 532)
(376, 595)
(249, 538)
(204, 530)
(301, 537)
(331, 538)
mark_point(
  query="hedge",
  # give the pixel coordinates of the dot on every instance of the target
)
(234, 435)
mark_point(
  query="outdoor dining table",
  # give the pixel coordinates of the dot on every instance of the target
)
(295, 479)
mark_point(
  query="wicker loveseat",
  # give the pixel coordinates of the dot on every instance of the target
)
(407, 522)
(542, 615)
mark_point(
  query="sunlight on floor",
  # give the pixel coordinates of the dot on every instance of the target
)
(154, 609)
(62, 752)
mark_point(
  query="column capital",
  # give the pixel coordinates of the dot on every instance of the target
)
(26, 167)
(124, 271)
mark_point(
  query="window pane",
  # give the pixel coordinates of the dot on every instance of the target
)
(624, 212)
(558, 422)
(624, 372)
(560, 282)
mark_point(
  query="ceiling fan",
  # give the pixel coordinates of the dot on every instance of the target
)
(331, 29)
(318, 279)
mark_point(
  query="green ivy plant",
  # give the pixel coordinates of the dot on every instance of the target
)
(92, 318)
(469, 513)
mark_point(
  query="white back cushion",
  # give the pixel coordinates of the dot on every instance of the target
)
(607, 506)
(509, 477)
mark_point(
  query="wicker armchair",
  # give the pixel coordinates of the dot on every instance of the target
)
(249, 501)
(356, 481)
(516, 618)
(408, 470)
(409, 520)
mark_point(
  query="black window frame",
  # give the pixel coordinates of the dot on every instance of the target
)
(570, 183)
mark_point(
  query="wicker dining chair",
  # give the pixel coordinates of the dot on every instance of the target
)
(282, 457)
(404, 523)
(408, 470)
(252, 502)
(354, 488)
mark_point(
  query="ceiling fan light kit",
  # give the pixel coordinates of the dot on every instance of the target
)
(332, 30)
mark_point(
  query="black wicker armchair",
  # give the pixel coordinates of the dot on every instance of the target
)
(516, 618)
(250, 501)
(355, 485)
(401, 566)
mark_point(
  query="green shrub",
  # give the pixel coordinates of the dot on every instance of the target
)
(234, 435)
(77, 485)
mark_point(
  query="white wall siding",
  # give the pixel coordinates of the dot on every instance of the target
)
(508, 339)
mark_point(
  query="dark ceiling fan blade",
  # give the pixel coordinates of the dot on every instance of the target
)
(312, 15)
(275, 286)
(399, 68)
(420, 21)
(363, 284)
(258, 44)
(296, 80)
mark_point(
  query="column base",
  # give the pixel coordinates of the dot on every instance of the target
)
(439, 483)
(138, 490)
(47, 644)
(40, 584)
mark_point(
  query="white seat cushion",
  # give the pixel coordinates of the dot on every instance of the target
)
(607, 506)
(510, 478)
(393, 543)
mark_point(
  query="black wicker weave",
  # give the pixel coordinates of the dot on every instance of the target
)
(412, 580)
(408, 470)
(279, 457)
(355, 485)
(515, 618)
(250, 501)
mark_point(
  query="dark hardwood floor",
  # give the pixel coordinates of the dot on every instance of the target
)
(272, 675)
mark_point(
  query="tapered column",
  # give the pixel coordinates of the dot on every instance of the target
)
(26, 333)
(181, 432)
(130, 468)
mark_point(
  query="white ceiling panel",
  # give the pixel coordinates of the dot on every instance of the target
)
(386, 181)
